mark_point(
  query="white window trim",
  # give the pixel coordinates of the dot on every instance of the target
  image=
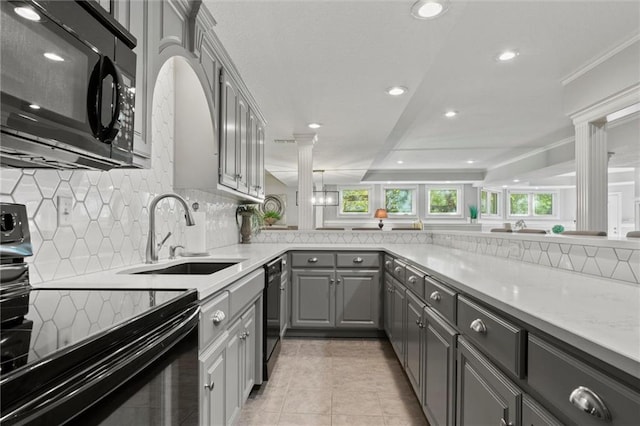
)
(414, 202)
(531, 214)
(459, 208)
(354, 187)
(499, 207)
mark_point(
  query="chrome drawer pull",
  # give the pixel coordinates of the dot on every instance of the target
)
(435, 296)
(387, 263)
(588, 401)
(397, 270)
(358, 260)
(413, 279)
(503, 422)
(218, 317)
(209, 386)
(478, 326)
(312, 260)
(418, 322)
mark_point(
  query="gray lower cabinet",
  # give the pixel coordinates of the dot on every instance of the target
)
(439, 377)
(398, 321)
(414, 341)
(485, 396)
(534, 415)
(212, 381)
(357, 299)
(284, 302)
(312, 298)
(388, 305)
(248, 352)
(233, 401)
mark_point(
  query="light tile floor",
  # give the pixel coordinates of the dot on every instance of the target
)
(347, 382)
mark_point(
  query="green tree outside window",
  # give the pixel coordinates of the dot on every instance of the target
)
(355, 201)
(518, 204)
(399, 201)
(443, 201)
(543, 204)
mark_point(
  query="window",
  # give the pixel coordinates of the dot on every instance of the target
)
(489, 203)
(400, 200)
(354, 201)
(444, 201)
(532, 204)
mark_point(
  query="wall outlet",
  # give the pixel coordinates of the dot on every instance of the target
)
(65, 208)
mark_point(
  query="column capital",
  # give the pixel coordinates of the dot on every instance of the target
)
(303, 139)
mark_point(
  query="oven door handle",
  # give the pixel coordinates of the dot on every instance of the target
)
(104, 68)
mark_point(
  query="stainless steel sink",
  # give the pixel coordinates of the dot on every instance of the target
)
(190, 268)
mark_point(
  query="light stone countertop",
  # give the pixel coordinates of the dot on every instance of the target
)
(596, 315)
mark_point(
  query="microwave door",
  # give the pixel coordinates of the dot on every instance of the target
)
(44, 82)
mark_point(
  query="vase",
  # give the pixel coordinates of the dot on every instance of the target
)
(245, 227)
(270, 220)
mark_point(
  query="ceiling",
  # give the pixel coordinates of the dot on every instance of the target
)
(330, 61)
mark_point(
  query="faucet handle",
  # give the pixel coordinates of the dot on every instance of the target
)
(172, 251)
(164, 240)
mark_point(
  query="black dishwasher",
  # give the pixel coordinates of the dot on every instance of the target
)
(271, 323)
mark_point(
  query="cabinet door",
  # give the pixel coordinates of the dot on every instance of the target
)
(233, 373)
(284, 304)
(228, 132)
(534, 415)
(248, 351)
(439, 370)
(398, 322)
(485, 395)
(212, 384)
(259, 163)
(414, 339)
(388, 305)
(253, 154)
(358, 299)
(243, 145)
(313, 298)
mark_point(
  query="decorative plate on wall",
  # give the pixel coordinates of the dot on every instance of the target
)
(277, 203)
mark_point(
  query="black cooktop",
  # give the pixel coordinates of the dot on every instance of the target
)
(58, 318)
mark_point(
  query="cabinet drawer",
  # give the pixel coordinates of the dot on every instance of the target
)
(415, 280)
(214, 317)
(399, 269)
(557, 376)
(358, 260)
(244, 290)
(388, 263)
(312, 259)
(441, 298)
(497, 337)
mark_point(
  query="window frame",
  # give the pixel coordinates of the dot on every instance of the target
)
(499, 195)
(459, 213)
(414, 200)
(341, 189)
(531, 206)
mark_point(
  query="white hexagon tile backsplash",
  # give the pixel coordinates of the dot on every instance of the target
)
(110, 216)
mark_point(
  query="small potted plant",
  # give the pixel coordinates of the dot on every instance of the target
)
(557, 229)
(251, 221)
(270, 217)
(473, 213)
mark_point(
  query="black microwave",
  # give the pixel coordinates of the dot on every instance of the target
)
(67, 86)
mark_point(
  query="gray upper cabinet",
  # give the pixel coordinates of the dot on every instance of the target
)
(485, 395)
(256, 156)
(357, 299)
(312, 298)
(438, 400)
(228, 131)
(242, 146)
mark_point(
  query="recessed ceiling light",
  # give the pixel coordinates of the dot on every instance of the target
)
(400, 162)
(470, 161)
(429, 9)
(315, 125)
(507, 55)
(53, 57)
(450, 114)
(505, 186)
(516, 180)
(397, 90)
(27, 13)
(34, 106)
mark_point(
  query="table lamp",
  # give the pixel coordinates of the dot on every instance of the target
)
(381, 214)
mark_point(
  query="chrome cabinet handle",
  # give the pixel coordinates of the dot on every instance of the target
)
(243, 335)
(503, 422)
(412, 279)
(435, 296)
(218, 317)
(312, 260)
(209, 386)
(586, 400)
(387, 263)
(358, 260)
(247, 334)
(339, 280)
(397, 270)
(331, 281)
(419, 323)
(478, 326)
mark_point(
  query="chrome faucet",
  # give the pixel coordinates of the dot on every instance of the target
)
(151, 255)
(520, 225)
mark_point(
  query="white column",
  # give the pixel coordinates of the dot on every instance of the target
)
(636, 197)
(591, 176)
(305, 143)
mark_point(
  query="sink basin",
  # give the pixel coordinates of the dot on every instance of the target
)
(190, 268)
